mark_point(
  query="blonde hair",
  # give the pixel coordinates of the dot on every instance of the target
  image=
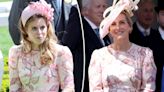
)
(47, 48)
(128, 17)
(142, 2)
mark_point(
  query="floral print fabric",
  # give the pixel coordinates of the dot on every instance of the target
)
(27, 74)
(116, 71)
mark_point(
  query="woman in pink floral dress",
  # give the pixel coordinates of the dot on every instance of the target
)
(122, 66)
(39, 64)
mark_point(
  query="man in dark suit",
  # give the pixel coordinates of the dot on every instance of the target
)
(92, 15)
(157, 44)
(144, 20)
(59, 17)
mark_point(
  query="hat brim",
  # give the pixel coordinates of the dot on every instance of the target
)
(104, 26)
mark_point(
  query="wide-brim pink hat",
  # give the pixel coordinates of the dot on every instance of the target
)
(111, 13)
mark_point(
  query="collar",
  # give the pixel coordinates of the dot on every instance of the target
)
(91, 23)
(59, 3)
(161, 31)
(142, 29)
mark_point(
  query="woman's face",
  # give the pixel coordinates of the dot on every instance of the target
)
(120, 28)
(37, 31)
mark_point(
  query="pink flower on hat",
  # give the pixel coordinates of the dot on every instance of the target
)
(40, 7)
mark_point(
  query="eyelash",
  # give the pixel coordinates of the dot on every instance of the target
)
(35, 28)
(121, 22)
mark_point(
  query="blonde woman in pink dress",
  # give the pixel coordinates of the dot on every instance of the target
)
(39, 64)
(122, 66)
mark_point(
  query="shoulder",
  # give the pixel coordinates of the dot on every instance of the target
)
(142, 49)
(14, 53)
(15, 48)
(63, 54)
(62, 49)
(100, 52)
(98, 57)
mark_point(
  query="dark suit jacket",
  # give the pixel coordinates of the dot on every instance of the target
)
(138, 38)
(73, 39)
(157, 45)
(15, 13)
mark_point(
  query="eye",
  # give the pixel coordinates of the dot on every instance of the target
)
(98, 6)
(42, 27)
(122, 22)
(113, 24)
(105, 6)
(34, 28)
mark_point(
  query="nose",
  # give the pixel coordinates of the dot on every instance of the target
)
(117, 26)
(39, 31)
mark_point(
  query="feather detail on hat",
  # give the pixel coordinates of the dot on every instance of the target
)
(111, 13)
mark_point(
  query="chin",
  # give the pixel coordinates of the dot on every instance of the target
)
(120, 37)
(39, 42)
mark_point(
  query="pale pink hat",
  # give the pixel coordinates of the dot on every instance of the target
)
(39, 7)
(111, 13)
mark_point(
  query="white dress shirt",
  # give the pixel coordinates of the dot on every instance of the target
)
(145, 32)
(161, 31)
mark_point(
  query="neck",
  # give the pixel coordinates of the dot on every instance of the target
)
(121, 45)
(35, 47)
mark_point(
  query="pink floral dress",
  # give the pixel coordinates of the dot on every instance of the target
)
(27, 74)
(115, 71)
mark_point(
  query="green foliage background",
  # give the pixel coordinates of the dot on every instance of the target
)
(4, 0)
(5, 44)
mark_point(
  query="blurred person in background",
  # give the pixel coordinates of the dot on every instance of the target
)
(142, 27)
(157, 43)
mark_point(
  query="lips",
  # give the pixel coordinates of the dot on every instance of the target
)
(39, 37)
(119, 32)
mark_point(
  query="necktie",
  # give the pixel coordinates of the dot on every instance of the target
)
(98, 35)
(146, 33)
(57, 5)
(97, 32)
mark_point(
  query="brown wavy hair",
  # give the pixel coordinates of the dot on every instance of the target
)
(47, 48)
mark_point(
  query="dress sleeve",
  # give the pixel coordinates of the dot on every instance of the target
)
(15, 84)
(148, 73)
(65, 70)
(95, 77)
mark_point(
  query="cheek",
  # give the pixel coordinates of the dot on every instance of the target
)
(130, 29)
(45, 32)
(111, 32)
(29, 34)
